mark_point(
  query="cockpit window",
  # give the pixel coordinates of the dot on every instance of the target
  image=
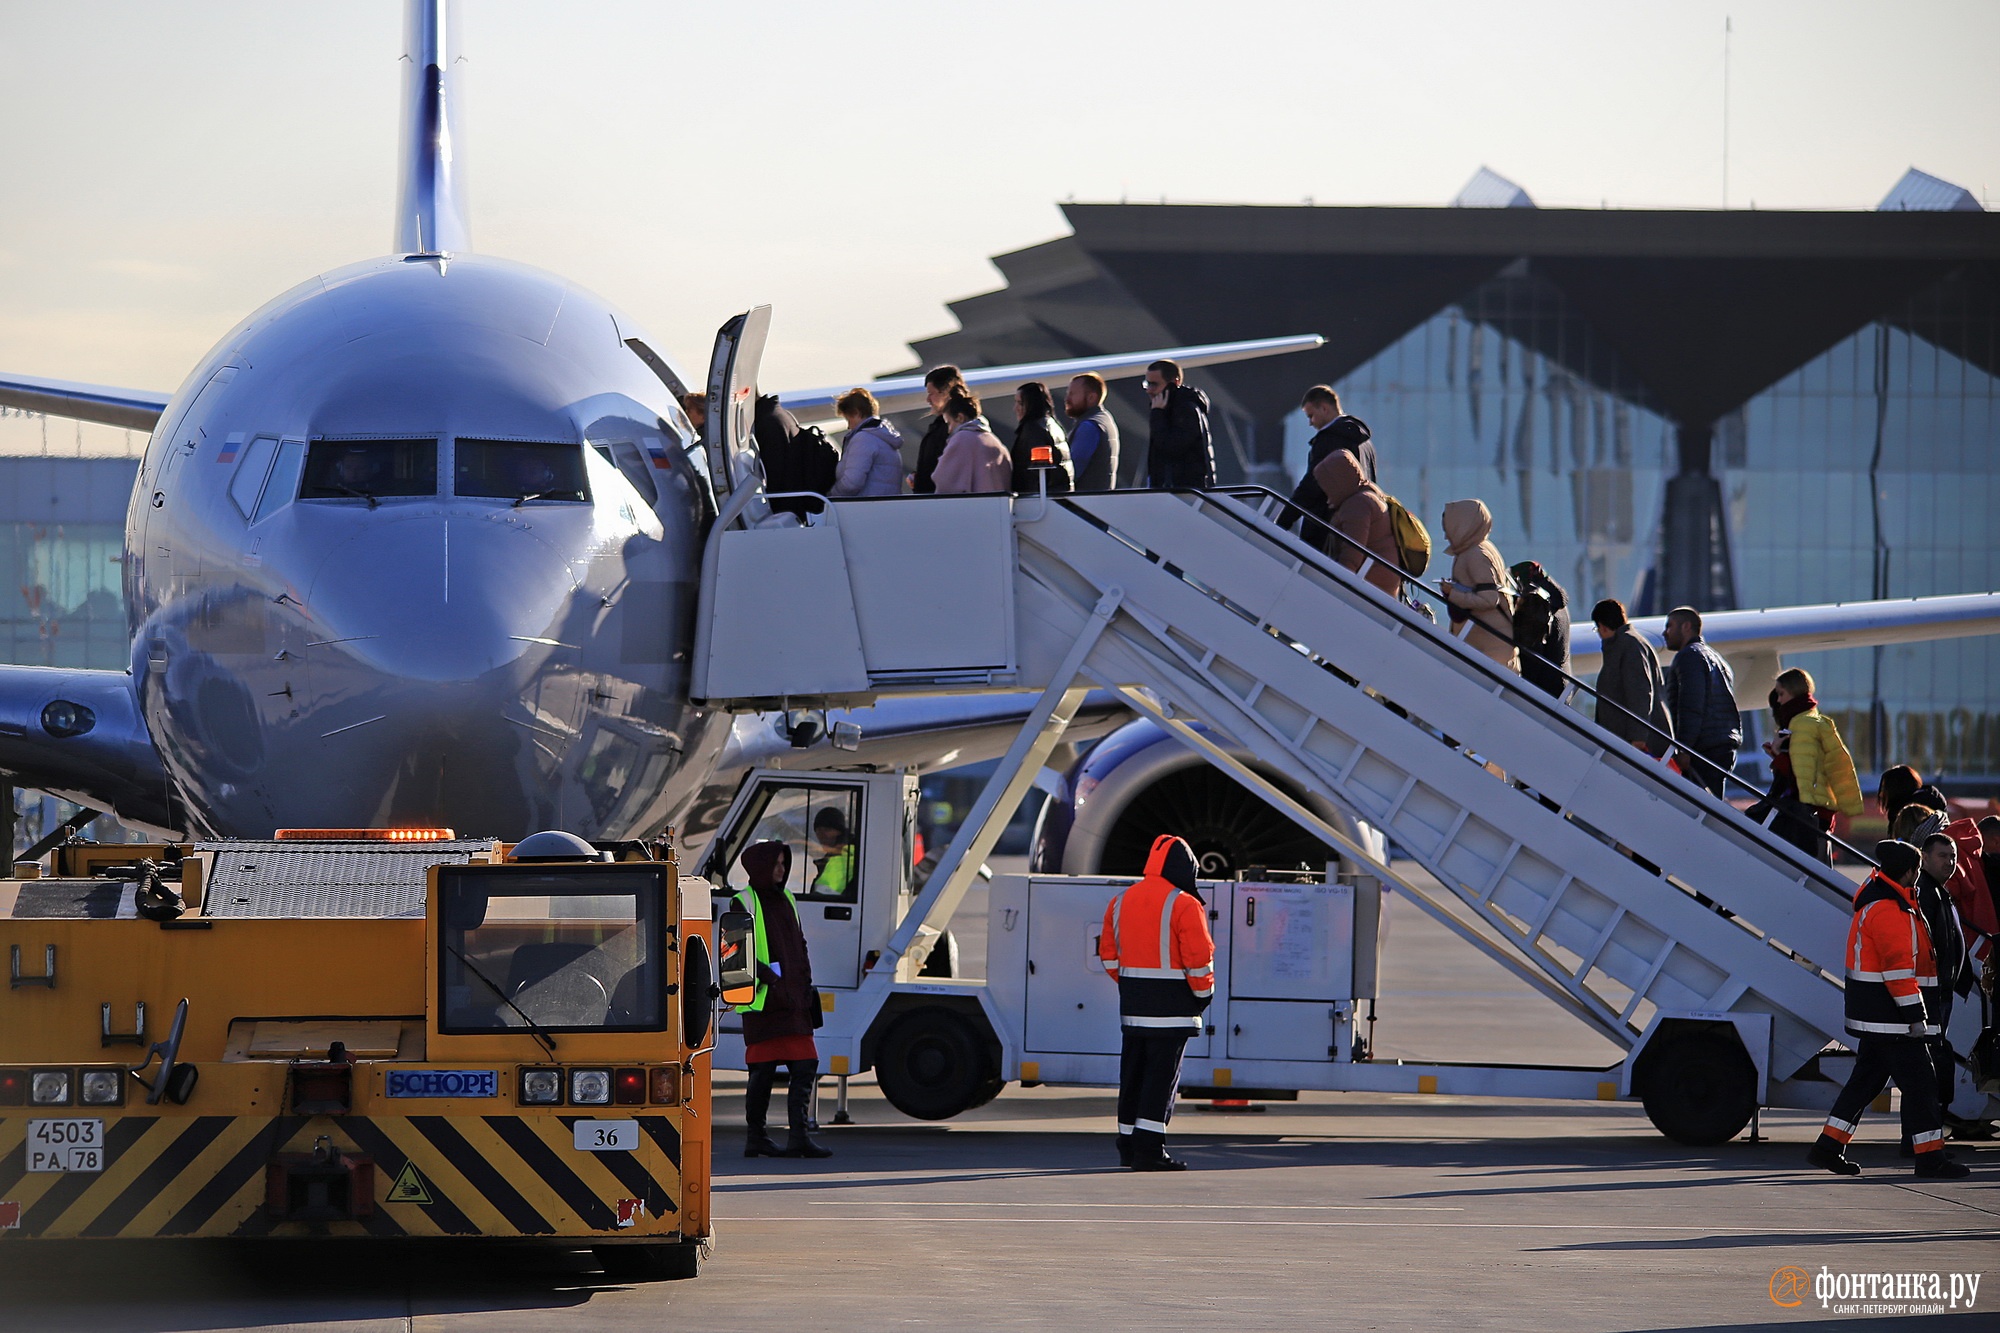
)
(519, 470)
(369, 470)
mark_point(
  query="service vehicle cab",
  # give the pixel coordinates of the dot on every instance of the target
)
(360, 1033)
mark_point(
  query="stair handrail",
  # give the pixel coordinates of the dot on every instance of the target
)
(1295, 515)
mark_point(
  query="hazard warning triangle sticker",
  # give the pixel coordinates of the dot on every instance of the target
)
(410, 1186)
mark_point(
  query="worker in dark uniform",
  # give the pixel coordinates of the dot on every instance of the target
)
(1157, 947)
(778, 1022)
(1890, 966)
(1954, 970)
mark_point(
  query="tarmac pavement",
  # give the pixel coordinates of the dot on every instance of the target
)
(1340, 1211)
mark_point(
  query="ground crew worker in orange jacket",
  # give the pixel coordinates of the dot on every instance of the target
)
(1890, 965)
(1157, 947)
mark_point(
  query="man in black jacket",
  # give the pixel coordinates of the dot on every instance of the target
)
(1701, 697)
(1333, 430)
(1180, 455)
(940, 383)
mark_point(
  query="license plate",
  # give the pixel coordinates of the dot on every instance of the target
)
(606, 1135)
(67, 1145)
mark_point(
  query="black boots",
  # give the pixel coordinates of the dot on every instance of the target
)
(1125, 1150)
(798, 1109)
(1937, 1166)
(1827, 1155)
(1148, 1152)
(802, 1075)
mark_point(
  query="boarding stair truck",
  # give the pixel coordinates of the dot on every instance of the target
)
(359, 1035)
(1705, 947)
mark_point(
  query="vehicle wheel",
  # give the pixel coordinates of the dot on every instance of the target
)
(942, 960)
(932, 1065)
(1700, 1088)
(661, 1261)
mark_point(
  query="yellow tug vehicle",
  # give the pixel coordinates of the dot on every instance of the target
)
(366, 1034)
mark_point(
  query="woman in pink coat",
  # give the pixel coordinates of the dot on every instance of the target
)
(974, 461)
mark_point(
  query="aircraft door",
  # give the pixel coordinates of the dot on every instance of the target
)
(820, 821)
(732, 401)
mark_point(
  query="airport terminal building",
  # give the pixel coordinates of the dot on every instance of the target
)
(1723, 409)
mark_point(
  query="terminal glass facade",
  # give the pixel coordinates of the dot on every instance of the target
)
(1871, 471)
(1874, 471)
(62, 538)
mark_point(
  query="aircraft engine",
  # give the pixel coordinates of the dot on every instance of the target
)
(1140, 782)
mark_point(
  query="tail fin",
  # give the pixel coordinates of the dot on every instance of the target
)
(431, 216)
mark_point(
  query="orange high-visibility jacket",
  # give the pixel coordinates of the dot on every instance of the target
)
(1889, 962)
(1157, 946)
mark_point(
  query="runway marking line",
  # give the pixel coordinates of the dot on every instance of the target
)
(1873, 1232)
(1235, 1207)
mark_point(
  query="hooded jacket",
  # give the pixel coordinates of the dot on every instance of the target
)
(790, 1002)
(1156, 945)
(974, 462)
(1041, 434)
(1347, 434)
(1093, 450)
(1889, 962)
(1481, 586)
(871, 461)
(1357, 511)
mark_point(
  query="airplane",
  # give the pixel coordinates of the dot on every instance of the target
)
(417, 543)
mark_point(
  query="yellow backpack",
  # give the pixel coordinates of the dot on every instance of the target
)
(1413, 542)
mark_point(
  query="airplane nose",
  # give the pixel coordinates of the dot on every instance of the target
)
(441, 600)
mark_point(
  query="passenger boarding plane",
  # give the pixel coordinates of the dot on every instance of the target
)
(418, 543)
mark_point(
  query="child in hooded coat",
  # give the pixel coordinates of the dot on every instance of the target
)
(1480, 589)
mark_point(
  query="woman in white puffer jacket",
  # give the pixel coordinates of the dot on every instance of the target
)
(871, 453)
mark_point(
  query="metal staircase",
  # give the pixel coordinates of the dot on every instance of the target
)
(1614, 885)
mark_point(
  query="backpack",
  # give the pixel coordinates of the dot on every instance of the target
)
(1413, 542)
(1536, 601)
(815, 459)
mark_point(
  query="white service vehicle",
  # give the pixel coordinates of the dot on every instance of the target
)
(1297, 964)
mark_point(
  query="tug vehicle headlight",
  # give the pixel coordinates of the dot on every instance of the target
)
(590, 1087)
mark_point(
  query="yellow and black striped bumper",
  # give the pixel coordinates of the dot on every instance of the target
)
(498, 1175)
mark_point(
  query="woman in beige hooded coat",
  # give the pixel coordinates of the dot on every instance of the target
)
(1479, 589)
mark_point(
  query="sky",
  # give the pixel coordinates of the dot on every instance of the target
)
(165, 168)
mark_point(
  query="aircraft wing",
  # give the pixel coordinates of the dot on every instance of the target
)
(901, 393)
(96, 752)
(135, 409)
(1753, 642)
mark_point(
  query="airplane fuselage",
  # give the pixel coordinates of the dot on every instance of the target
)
(347, 608)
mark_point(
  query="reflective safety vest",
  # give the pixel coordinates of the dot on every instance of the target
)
(836, 872)
(754, 905)
(1889, 962)
(1157, 946)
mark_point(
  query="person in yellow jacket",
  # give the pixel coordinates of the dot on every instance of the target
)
(1821, 765)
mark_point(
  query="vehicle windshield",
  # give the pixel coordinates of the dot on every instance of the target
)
(369, 469)
(512, 470)
(553, 949)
